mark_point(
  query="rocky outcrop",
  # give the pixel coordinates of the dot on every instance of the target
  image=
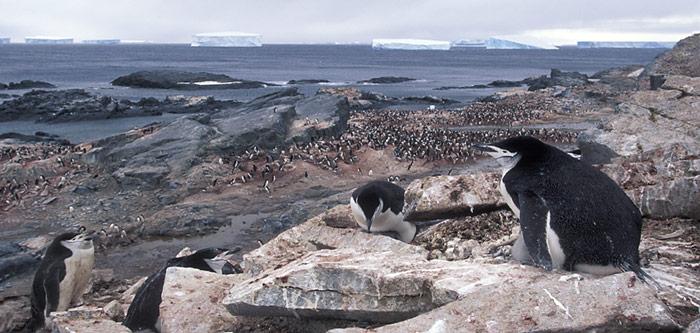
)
(681, 60)
(387, 80)
(84, 319)
(77, 105)
(191, 301)
(307, 81)
(492, 84)
(556, 78)
(688, 86)
(26, 84)
(453, 196)
(547, 303)
(172, 79)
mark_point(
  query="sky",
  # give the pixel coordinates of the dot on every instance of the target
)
(349, 21)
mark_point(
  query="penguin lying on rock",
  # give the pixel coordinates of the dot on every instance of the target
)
(572, 216)
(378, 207)
(62, 277)
(144, 310)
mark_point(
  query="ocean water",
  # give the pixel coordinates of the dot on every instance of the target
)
(94, 66)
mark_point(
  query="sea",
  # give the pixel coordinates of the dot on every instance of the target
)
(93, 67)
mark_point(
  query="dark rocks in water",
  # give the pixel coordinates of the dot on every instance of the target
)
(493, 84)
(387, 80)
(556, 78)
(307, 81)
(76, 104)
(67, 105)
(429, 100)
(171, 79)
(26, 84)
(38, 137)
(683, 59)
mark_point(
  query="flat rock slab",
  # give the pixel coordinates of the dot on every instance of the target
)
(442, 197)
(688, 85)
(334, 229)
(85, 320)
(368, 286)
(617, 303)
(191, 301)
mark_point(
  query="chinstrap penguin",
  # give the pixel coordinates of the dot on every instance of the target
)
(572, 216)
(62, 276)
(144, 310)
(378, 207)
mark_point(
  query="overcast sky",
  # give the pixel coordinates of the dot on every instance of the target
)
(320, 21)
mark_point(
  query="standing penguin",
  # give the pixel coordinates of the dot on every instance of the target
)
(144, 310)
(572, 216)
(378, 206)
(62, 277)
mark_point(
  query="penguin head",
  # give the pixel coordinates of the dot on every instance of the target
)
(75, 240)
(371, 205)
(509, 151)
(210, 259)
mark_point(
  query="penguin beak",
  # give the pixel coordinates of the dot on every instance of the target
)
(369, 224)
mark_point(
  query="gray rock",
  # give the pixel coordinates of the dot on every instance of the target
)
(84, 320)
(15, 312)
(27, 84)
(681, 60)
(694, 327)
(387, 80)
(191, 301)
(441, 197)
(172, 79)
(617, 303)
(687, 85)
(675, 198)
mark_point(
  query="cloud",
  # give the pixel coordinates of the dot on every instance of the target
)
(306, 21)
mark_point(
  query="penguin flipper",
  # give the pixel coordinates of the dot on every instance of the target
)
(52, 285)
(533, 224)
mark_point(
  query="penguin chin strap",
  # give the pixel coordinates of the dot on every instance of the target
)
(507, 162)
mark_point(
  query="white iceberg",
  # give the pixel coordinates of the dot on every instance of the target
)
(410, 44)
(226, 39)
(101, 41)
(48, 40)
(4, 40)
(625, 45)
(491, 44)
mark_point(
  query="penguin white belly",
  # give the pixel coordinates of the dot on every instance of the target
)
(358, 214)
(553, 245)
(78, 271)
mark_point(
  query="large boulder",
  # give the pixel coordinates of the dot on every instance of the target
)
(686, 85)
(374, 286)
(334, 229)
(440, 197)
(84, 320)
(191, 301)
(681, 60)
(386, 80)
(27, 84)
(552, 303)
(173, 79)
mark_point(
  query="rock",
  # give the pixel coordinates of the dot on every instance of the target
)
(114, 311)
(172, 79)
(84, 320)
(493, 84)
(36, 244)
(675, 198)
(307, 81)
(192, 301)
(687, 85)
(694, 327)
(387, 80)
(556, 78)
(27, 84)
(16, 264)
(681, 60)
(334, 229)
(15, 313)
(441, 197)
(68, 105)
(617, 303)
(429, 100)
(320, 116)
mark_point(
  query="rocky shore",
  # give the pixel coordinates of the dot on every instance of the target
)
(171, 79)
(278, 170)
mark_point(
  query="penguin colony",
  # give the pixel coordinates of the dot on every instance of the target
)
(572, 216)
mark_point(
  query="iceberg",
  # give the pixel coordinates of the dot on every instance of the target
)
(491, 44)
(4, 40)
(625, 45)
(410, 44)
(47, 40)
(101, 41)
(226, 39)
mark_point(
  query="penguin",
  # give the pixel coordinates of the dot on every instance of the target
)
(62, 277)
(572, 216)
(378, 207)
(144, 310)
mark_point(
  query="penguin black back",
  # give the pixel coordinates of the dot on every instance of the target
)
(144, 310)
(368, 195)
(51, 266)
